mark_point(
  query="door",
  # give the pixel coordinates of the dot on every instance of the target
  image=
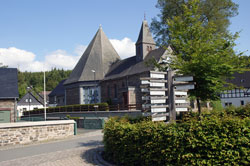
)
(4, 116)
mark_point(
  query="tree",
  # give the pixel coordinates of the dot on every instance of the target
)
(3, 66)
(218, 11)
(201, 51)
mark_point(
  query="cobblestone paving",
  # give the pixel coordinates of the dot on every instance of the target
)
(86, 156)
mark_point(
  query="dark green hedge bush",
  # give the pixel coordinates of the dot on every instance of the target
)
(71, 108)
(213, 140)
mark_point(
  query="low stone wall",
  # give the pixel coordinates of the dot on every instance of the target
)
(28, 132)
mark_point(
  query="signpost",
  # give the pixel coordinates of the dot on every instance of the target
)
(164, 94)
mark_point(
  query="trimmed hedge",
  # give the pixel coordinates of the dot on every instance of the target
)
(71, 108)
(213, 140)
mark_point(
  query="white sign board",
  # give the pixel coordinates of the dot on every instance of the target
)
(183, 79)
(180, 93)
(157, 75)
(162, 118)
(145, 82)
(158, 109)
(158, 101)
(162, 93)
(184, 87)
(180, 101)
(157, 84)
(181, 109)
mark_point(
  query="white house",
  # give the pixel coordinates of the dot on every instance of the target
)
(238, 96)
(29, 102)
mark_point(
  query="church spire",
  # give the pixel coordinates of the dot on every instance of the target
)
(145, 42)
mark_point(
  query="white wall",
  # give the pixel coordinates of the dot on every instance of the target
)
(20, 108)
(235, 101)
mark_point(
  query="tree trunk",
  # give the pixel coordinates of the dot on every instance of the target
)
(199, 106)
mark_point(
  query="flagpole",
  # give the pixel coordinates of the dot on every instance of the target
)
(44, 94)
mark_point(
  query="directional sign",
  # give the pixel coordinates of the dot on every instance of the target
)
(183, 78)
(180, 93)
(181, 109)
(161, 118)
(184, 87)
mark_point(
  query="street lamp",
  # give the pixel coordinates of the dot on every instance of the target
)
(28, 89)
(95, 85)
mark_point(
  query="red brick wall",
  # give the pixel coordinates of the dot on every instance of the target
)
(9, 104)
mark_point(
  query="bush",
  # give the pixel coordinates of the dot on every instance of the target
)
(213, 140)
(71, 108)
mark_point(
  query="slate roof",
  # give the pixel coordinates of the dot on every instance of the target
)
(59, 90)
(34, 100)
(130, 66)
(145, 34)
(99, 56)
(8, 83)
(241, 79)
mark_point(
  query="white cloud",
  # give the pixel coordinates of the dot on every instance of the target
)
(14, 57)
(60, 59)
(26, 60)
(79, 50)
(125, 47)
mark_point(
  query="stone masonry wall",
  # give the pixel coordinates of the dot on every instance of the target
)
(28, 132)
(122, 84)
(72, 96)
(10, 104)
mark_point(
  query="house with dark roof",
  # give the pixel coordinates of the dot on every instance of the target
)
(57, 96)
(28, 102)
(101, 76)
(241, 94)
(8, 94)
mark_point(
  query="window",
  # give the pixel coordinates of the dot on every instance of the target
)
(242, 80)
(228, 104)
(26, 100)
(242, 102)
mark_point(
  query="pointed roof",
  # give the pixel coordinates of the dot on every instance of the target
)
(33, 99)
(98, 57)
(145, 34)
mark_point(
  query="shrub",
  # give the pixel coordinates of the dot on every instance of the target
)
(213, 140)
(72, 108)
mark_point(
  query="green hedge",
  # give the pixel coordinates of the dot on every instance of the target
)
(213, 140)
(71, 108)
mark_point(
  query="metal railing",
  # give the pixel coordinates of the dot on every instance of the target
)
(85, 108)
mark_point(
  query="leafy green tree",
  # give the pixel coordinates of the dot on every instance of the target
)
(200, 51)
(218, 11)
(35, 79)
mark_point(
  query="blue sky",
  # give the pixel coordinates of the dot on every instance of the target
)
(56, 32)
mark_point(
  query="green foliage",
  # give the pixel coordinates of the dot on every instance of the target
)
(217, 105)
(202, 52)
(216, 139)
(35, 79)
(242, 111)
(73, 118)
(218, 11)
(71, 108)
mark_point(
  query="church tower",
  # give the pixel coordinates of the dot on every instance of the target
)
(145, 42)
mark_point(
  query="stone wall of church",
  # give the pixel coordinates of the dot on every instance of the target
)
(128, 84)
(72, 96)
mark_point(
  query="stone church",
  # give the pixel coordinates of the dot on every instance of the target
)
(101, 76)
